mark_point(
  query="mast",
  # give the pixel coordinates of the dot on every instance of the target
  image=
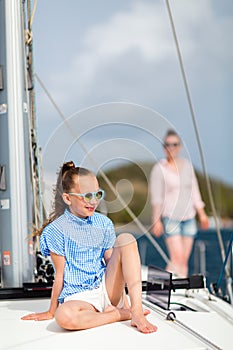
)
(15, 190)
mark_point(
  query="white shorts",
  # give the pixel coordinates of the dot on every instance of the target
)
(97, 297)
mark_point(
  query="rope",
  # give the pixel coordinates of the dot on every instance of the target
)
(28, 31)
(198, 137)
(30, 97)
(106, 179)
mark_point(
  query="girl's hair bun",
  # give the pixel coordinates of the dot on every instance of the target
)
(67, 166)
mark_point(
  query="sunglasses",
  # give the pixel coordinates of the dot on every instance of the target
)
(167, 145)
(88, 197)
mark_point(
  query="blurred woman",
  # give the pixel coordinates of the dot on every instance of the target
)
(176, 200)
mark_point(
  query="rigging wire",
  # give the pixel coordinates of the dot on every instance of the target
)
(33, 13)
(106, 179)
(197, 136)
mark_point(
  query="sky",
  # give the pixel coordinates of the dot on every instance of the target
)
(112, 83)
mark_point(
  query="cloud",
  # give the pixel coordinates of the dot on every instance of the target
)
(137, 45)
(137, 35)
(136, 29)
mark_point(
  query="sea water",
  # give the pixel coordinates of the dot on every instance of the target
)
(205, 258)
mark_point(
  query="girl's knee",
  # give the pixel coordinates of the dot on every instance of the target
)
(124, 239)
(63, 317)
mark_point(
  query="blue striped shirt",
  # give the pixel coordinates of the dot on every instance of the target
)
(83, 243)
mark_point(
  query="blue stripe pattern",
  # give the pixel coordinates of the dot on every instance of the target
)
(83, 243)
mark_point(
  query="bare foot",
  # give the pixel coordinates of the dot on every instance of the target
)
(142, 324)
(109, 308)
(123, 314)
(146, 312)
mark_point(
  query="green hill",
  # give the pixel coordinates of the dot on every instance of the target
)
(131, 182)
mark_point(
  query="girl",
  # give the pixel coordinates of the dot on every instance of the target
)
(92, 265)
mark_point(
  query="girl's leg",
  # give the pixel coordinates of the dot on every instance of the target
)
(79, 315)
(124, 267)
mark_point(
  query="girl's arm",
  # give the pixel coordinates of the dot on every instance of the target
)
(59, 264)
(107, 255)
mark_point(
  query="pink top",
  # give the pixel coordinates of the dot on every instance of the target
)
(176, 191)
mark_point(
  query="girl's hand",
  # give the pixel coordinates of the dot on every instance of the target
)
(41, 316)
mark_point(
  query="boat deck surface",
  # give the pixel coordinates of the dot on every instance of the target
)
(25, 335)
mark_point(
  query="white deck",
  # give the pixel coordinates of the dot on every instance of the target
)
(25, 335)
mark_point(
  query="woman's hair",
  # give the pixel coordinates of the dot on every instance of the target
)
(171, 132)
(65, 182)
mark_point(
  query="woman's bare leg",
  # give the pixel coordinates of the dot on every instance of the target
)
(187, 243)
(123, 267)
(179, 249)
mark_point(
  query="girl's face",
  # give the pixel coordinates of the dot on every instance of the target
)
(77, 205)
(172, 147)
